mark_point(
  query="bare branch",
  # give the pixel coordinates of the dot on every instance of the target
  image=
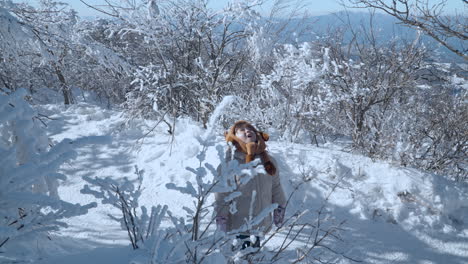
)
(420, 15)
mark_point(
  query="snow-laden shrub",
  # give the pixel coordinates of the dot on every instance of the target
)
(40, 38)
(433, 134)
(287, 96)
(198, 55)
(159, 245)
(16, 45)
(365, 86)
(29, 203)
(124, 196)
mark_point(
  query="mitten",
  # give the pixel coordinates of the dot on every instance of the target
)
(278, 216)
(270, 168)
(221, 223)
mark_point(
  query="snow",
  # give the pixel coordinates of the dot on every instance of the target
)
(392, 214)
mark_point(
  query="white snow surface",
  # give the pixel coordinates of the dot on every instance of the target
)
(392, 214)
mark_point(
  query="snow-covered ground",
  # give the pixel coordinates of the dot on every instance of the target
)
(391, 214)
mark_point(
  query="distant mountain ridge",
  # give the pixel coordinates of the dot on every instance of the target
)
(385, 27)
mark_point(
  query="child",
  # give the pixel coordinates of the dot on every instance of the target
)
(250, 144)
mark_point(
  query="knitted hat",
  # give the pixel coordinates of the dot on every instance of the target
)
(252, 148)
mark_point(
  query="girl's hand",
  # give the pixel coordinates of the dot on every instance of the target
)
(221, 223)
(278, 216)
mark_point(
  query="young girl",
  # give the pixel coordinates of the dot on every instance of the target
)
(250, 144)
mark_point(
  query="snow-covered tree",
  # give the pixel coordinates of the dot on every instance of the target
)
(29, 202)
(432, 130)
(365, 85)
(50, 26)
(192, 55)
(17, 50)
(57, 51)
(104, 60)
(285, 96)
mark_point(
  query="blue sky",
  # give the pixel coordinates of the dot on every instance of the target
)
(314, 7)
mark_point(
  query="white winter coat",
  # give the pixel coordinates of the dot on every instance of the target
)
(268, 191)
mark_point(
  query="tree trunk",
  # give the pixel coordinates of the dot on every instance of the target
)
(67, 96)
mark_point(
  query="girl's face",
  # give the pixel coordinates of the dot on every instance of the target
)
(246, 133)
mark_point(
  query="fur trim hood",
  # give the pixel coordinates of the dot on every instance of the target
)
(253, 148)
